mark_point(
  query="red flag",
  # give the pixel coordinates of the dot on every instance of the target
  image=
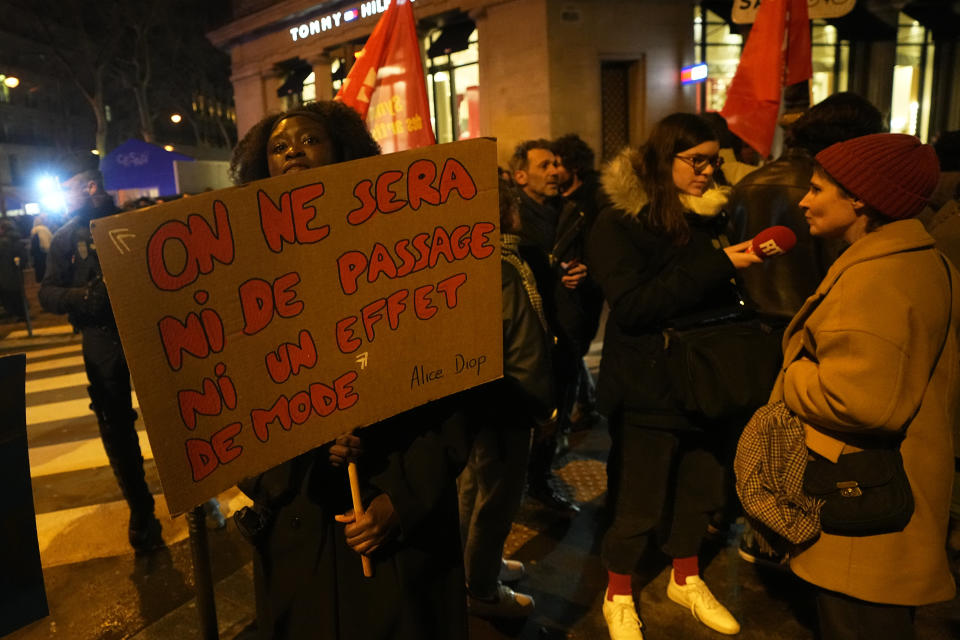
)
(386, 85)
(753, 98)
(799, 63)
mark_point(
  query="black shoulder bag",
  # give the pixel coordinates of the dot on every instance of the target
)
(867, 493)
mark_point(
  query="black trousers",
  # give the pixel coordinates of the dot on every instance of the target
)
(845, 618)
(111, 401)
(663, 485)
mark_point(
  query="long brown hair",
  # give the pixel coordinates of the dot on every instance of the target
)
(675, 133)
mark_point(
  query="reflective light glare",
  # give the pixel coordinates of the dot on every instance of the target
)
(31, 208)
(176, 118)
(54, 202)
(47, 183)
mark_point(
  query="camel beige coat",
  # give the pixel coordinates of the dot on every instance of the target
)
(857, 362)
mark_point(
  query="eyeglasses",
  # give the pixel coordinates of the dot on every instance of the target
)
(699, 163)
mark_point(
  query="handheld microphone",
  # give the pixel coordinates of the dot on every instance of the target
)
(773, 241)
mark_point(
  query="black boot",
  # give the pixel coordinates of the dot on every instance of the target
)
(539, 473)
(119, 436)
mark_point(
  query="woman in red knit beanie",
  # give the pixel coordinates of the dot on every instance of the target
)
(871, 361)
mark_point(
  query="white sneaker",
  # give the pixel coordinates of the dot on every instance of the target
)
(623, 623)
(696, 596)
(506, 603)
(511, 570)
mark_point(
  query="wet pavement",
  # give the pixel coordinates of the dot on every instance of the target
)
(97, 588)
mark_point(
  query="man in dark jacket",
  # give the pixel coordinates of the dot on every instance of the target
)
(578, 307)
(534, 168)
(771, 196)
(74, 285)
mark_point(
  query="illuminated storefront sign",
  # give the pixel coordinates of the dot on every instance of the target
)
(338, 19)
(695, 73)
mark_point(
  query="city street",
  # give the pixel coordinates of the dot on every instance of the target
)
(96, 588)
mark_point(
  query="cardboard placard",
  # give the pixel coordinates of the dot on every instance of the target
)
(262, 321)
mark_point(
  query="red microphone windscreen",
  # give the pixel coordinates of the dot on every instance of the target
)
(774, 241)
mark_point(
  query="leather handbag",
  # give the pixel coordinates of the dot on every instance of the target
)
(723, 369)
(867, 493)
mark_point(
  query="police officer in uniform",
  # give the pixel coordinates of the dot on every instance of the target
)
(74, 285)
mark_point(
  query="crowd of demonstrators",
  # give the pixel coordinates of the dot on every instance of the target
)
(649, 236)
(658, 254)
(871, 362)
(491, 486)
(302, 526)
(535, 171)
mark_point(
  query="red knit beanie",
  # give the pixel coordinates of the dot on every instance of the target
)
(892, 172)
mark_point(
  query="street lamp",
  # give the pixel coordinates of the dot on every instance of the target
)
(11, 82)
(176, 118)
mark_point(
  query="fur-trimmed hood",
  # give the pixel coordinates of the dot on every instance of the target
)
(622, 184)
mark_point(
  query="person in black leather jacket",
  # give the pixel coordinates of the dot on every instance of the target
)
(73, 284)
(771, 195)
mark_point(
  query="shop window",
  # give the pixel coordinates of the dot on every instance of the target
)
(453, 82)
(338, 71)
(309, 92)
(831, 61)
(912, 79)
(720, 48)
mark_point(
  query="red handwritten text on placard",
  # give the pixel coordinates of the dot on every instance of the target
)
(201, 244)
(289, 221)
(420, 178)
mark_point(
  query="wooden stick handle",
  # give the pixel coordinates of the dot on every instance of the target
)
(358, 512)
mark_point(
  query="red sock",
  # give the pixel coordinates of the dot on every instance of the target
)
(618, 584)
(685, 567)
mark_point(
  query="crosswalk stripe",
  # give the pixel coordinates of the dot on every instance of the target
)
(56, 382)
(80, 534)
(46, 365)
(43, 353)
(74, 456)
(63, 410)
(62, 329)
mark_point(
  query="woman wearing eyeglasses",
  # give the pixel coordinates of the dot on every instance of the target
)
(657, 251)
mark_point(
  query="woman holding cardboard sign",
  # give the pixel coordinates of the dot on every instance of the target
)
(305, 532)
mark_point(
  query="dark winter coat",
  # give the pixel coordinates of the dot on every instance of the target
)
(651, 284)
(72, 264)
(525, 393)
(578, 310)
(309, 582)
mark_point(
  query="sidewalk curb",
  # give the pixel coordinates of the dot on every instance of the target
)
(235, 610)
